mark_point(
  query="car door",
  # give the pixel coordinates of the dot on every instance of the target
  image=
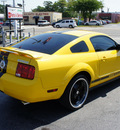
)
(105, 48)
(92, 23)
(67, 23)
(63, 24)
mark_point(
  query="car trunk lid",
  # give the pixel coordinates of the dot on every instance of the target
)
(10, 57)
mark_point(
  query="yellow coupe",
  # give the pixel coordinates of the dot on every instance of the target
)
(58, 65)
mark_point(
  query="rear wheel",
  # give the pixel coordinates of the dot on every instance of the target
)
(76, 93)
(57, 26)
(70, 26)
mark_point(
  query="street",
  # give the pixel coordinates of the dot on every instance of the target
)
(100, 112)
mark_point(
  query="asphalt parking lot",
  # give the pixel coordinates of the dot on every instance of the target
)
(100, 112)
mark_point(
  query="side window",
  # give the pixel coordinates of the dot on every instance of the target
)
(79, 47)
(67, 21)
(63, 21)
(103, 43)
(71, 21)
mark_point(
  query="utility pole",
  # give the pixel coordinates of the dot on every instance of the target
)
(23, 6)
(15, 23)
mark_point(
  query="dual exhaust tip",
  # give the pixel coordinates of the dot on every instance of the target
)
(25, 103)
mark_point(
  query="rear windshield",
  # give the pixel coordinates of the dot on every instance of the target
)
(47, 43)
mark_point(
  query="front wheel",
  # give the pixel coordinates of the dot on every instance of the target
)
(76, 93)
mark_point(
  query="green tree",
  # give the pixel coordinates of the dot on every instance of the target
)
(38, 9)
(93, 5)
(70, 8)
(1, 8)
(58, 6)
(48, 5)
(80, 5)
(61, 6)
(86, 7)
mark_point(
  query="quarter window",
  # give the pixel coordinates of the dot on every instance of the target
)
(67, 21)
(79, 47)
(103, 43)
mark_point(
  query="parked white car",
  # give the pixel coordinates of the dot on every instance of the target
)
(69, 23)
(93, 22)
(43, 23)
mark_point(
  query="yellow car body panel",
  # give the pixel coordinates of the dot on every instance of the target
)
(54, 72)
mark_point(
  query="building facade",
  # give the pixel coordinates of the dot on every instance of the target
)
(33, 17)
(114, 17)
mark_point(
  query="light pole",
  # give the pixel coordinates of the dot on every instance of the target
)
(15, 23)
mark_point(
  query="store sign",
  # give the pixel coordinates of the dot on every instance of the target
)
(36, 13)
(105, 15)
(14, 13)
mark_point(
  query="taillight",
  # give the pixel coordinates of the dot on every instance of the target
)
(25, 71)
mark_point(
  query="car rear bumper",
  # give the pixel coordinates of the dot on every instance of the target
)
(23, 89)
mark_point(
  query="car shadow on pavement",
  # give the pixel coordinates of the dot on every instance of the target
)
(102, 90)
(15, 116)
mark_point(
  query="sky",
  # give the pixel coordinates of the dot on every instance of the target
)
(109, 5)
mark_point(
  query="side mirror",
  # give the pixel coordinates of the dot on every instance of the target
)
(118, 47)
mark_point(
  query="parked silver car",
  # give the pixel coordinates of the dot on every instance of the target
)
(43, 23)
(68, 23)
(93, 22)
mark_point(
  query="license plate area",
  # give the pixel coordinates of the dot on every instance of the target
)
(3, 61)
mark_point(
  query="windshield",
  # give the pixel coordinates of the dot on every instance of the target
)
(42, 21)
(47, 43)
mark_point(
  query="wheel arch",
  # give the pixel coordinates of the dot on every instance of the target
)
(85, 73)
(65, 98)
(81, 68)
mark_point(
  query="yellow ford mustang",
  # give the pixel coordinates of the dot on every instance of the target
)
(58, 65)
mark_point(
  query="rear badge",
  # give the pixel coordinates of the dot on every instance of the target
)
(2, 64)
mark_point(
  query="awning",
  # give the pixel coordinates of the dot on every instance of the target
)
(36, 17)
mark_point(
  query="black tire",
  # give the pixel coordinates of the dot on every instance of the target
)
(70, 26)
(57, 26)
(76, 93)
(97, 24)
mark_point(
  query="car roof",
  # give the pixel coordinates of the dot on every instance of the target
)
(78, 33)
(68, 19)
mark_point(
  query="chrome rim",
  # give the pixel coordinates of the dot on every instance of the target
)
(78, 93)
